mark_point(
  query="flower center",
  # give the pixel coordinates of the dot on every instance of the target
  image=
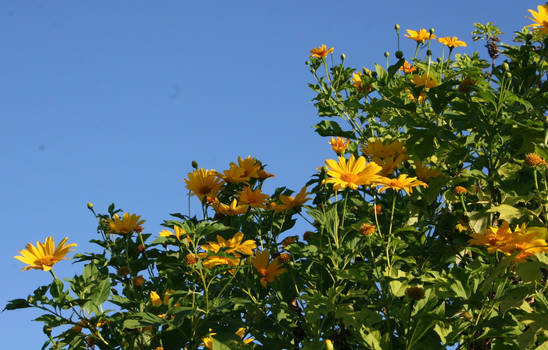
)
(47, 260)
(349, 177)
(204, 189)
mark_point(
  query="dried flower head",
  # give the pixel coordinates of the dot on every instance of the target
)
(533, 159)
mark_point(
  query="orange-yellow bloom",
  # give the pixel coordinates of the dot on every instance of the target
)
(451, 42)
(232, 209)
(339, 144)
(424, 80)
(401, 183)
(351, 173)
(361, 81)
(179, 231)
(44, 255)
(540, 18)
(290, 202)
(320, 51)
(253, 198)
(268, 271)
(389, 155)
(232, 246)
(408, 68)
(155, 299)
(128, 224)
(426, 173)
(203, 182)
(419, 35)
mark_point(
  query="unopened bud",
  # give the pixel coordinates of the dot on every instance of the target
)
(329, 345)
(431, 31)
(429, 52)
(386, 54)
(343, 56)
(438, 59)
(399, 54)
(307, 63)
(397, 27)
(415, 293)
(90, 205)
(508, 75)
(194, 164)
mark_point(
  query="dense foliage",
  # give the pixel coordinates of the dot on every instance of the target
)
(428, 230)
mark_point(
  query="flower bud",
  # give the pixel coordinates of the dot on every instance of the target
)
(90, 205)
(329, 345)
(194, 164)
(307, 236)
(399, 54)
(431, 31)
(438, 59)
(429, 52)
(343, 56)
(386, 54)
(397, 27)
(284, 258)
(506, 66)
(415, 293)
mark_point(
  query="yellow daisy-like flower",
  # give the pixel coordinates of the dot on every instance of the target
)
(361, 82)
(232, 209)
(179, 231)
(254, 198)
(241, 333)
(424, 80)
(155, 299)
(339, 144)
(128, 224)
(267, 271)
(290, 202)
(420, 36)
(44, 255)
(426, 173)
(408, 68)
(234, 245)
(451, 42)
(203, 182)
(540, 18)
(419, 100)
(234, 174)
(402, 183)
(320, 51)
(351, 173)
(389, 155)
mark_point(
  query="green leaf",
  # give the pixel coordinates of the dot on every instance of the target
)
(507, 212)
(529, 271)
(17, 304)
(332, 128)
(218, 345)
(513, 298)
(101, 292)
(56, 290)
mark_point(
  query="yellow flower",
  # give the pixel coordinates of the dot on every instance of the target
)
(420, 100)
(389, 155)
(540, 18)
(178, 232)
(419, 36)
(203, 183)
(460, 190)
(241, 333)
(232, 209)
(351, 173)
(367, 229)
(234, 174)
(424, 80)
(451, 42)
(533, 159)
(290, 202)
(408, 68)
(155, 299)
(234, 244)
(128, 224)
(339, 144)
(250, 165)
(263, 175)
(359, 81)
(266, 270)
(401, 183)
(167, 295)
(44, 255)
(525, 242)
(255, 199)
(426, 173)
(320, 51)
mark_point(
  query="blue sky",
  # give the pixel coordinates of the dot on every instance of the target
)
(111, 101)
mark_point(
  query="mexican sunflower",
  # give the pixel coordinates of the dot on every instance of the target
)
(290, 202)
(268, 271)
(203, 182)
(540, 18)
(451, 42)
(127, 224)
(351, 173)
(44, 255)
(420, 36)
(389, 155)
(320, 51)
(402, 183)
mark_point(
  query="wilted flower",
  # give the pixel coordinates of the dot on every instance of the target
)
(459, 190)
(367, 229)
(533, 159)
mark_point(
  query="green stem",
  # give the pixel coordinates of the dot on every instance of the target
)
(390, 233)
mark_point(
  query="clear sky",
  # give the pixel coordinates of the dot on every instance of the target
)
(110, 101)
